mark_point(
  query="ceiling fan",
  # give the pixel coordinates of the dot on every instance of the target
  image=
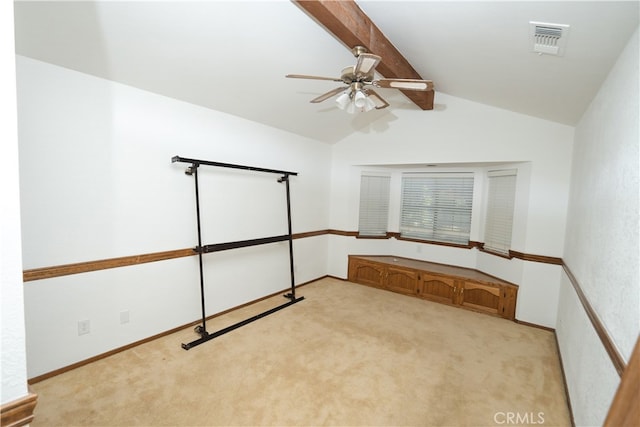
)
(358, 95)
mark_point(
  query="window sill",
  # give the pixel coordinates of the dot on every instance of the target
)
(364, 236)
(435, 242)
(494, 253)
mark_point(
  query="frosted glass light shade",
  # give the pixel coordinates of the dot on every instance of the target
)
(343, 100)
(368, 104)
(360, 99)
(355, 101)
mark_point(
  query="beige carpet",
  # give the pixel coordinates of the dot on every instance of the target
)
(347, 355)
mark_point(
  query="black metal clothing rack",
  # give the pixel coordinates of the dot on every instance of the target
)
(203, 249)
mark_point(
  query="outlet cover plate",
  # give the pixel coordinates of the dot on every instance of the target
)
(84, 327)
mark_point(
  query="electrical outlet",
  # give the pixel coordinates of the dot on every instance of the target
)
(124, 317)
(84, 327)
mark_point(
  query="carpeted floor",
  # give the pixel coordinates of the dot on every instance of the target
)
(347, 355)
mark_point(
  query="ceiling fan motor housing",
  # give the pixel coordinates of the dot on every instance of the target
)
(348, 76)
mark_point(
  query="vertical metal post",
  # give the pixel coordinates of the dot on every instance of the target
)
(203, 328)
(291, 295)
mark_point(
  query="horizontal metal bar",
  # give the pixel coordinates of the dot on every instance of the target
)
(239, 324)
(229, 165)
(216, 247)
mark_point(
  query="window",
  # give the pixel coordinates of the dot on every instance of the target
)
(437, 207)
(374, 205)
(501, 198)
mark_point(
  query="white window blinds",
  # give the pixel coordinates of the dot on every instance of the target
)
(374, 205)
(437, 207)
(500, 203)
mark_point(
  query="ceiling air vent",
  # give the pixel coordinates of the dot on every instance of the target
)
(548, 38)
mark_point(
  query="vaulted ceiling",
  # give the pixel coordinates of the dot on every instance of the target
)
(232, 56)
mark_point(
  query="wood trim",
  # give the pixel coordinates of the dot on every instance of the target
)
(477, 245)
(73, 366)
(625, 411)
(471, 245)
(343, 233)
(349, 24)
(18, 412)
(89, 266)
(295, 236)
(486, 251)
(433, 242)
(535, 325)
(84, 267)
(535, 258)
(607, 342)
(616, 358)
(564, 379)
(357, 235)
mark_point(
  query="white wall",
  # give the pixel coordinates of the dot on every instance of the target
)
(460, 131)
(602, 245)
(97, 182)
(12, 344)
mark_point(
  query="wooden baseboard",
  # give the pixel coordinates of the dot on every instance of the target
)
(18, 412)
(535, 325)
(73, 366)
(564, 380)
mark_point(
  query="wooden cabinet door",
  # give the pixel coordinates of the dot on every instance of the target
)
(481, 297)
(367, 273)
(508, 306)
(401, 280)
(445, 284)
(437, 288)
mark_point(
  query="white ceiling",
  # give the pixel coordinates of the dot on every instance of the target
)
(232, 56)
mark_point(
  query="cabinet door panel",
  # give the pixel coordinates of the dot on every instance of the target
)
(481, 297)
(509, 302)
(367, 273)
(401, 280)
(459, 288)
(437, 288)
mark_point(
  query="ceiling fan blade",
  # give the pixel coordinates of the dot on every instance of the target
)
(303, 76)
(367, 62)
(404, 84)
(328, 94)
(377, 99)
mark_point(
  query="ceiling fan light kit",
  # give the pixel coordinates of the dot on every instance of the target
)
(354, 101)
(358, 96)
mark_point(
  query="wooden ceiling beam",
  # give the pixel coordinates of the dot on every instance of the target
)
(349, 24)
